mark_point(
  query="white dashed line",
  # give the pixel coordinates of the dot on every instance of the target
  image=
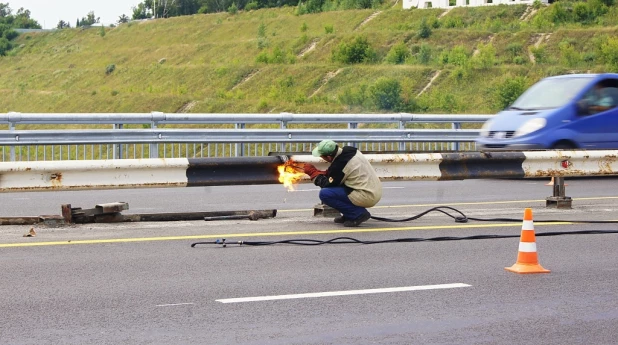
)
(342, 293)
(174, 304)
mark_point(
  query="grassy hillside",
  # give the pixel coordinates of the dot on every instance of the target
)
(272, 60)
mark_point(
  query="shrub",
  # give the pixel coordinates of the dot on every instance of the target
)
(233, 9)
(424, 31)
(518, 60)
(537, 4)
(253, 5)
(398, 54)
(568, 55)
(589, 57)
(354, 97)
(539, 53)
(262, 105)
(458, 57)
(356, 51)
(386, 94)
(424, 54)
(262, 40)
(10, 34)
(110, 69)
(514, 49)
(314, 6)
(304, 27)
(609, 50)
(486, 57)
(509, 90)
(329, 29)
(5, 46)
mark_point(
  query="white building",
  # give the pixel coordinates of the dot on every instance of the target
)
(407, 4)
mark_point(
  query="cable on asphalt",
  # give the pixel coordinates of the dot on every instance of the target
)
(461, 218)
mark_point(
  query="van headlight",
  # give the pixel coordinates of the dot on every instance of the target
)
(485, 129)
(530, 126)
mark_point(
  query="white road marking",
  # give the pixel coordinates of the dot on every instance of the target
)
(173, 305)
(342, 293)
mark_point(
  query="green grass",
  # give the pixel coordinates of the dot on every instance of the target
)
(206, 60)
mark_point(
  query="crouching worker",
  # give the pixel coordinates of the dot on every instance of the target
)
(350, 184)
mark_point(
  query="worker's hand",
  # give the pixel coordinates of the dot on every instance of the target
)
(309, 169)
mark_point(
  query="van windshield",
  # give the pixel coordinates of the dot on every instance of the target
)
(550, 93)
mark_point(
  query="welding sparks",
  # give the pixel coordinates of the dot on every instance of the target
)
(289, 175)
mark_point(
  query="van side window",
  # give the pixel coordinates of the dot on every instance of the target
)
(603, 96)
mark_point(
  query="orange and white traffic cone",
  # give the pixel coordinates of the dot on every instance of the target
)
(527, 259)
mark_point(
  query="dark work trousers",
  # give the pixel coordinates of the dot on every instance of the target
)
(337, 198)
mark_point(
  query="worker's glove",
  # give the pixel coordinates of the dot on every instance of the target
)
(309, 169)
(317, 173)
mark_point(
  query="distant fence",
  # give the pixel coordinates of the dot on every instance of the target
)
(73, 136)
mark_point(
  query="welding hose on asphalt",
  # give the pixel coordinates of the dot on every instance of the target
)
(461, 218)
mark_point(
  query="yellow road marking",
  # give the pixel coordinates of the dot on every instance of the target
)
(263, 234)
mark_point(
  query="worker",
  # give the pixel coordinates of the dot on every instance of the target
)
(599, 99)
(350, 185)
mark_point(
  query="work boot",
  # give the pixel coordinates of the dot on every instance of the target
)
(339, 220)
(356, 222)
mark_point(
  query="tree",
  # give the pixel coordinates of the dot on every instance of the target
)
(63, 25)
(141, 12)
(88, 20)
(5, 10)
(123, 19)
(23, 21)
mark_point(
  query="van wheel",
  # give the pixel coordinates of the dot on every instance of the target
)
(563, 146)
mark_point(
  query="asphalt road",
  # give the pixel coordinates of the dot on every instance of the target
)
(142, 283)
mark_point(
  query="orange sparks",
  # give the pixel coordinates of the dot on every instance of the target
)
(289, 176)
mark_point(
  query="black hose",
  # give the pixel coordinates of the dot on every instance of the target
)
(464, 219)
(461, 218)
(351, 240)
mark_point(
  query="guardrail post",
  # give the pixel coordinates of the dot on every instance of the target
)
(559, 200)
(455, 126)
(402, 145)
(154, 148)
(240, 147)
(284, 125)
(353, 125)
(117, 148)
(12, 148)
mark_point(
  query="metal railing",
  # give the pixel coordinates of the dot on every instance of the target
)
(34, 137)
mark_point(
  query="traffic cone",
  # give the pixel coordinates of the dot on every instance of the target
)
(527, 259)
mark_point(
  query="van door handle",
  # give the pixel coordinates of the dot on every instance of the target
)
(566, 121)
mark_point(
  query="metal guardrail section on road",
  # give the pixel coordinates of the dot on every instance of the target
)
(180, 172)
(156, 135)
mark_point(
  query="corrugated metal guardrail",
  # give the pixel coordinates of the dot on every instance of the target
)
(180, 172)
(223, 135)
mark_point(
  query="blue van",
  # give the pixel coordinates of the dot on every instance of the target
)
(576, 111)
